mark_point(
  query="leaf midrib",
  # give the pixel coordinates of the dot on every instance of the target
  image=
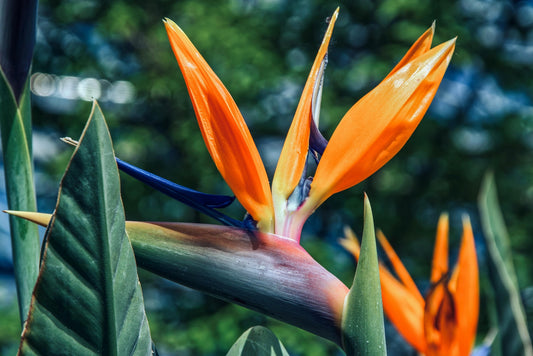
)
(109, 268)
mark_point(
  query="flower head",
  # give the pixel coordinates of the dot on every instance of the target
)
(369, 135)
(445, 321)
(272, 273)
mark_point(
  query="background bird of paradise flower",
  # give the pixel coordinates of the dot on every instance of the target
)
(480, 119)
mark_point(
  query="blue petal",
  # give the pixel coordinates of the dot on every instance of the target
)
(174, 190)
(204, 203)
(482, 350)
(317, 142)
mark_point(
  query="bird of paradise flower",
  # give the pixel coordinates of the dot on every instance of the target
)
(268, 270)
(368, 136)
(444, 322)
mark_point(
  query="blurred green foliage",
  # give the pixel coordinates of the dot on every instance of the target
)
(482, 118)
(10, 326)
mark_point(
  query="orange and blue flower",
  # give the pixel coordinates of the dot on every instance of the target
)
(367, 137)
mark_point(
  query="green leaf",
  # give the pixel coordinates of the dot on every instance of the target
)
(363, 329)
(88, 299)
(258, 341)
(15, 123)
(513, 335)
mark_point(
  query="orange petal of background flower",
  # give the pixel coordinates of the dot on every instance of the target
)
(351, 243)
(225, 133)
(379, 124)
(404, 308)
(440, 253)
(294, 153)
(398, 267)
(421, 46)
(464, 285)
(440, 318)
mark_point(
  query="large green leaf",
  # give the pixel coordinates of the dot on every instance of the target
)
(88, 299)
(363, 329)
(258, 341)
(15, 122)
(513, 337)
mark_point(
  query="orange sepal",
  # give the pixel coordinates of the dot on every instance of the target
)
(293, 156)
(440, 320)
(351, 243)
(464, 285)
(398, 267)
(403, 308)
(421, 46)
(225, 133)
(439, 266)
(379, 124)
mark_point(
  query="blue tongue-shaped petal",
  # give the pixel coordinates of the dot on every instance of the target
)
(175, 190)
(317, 142)
(204, 203)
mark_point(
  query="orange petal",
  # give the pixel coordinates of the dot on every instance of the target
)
(404, 308)
(379, 124)
(464, 285)
(440, 320)
(225, 133)
(351, 243)
(440, 252)
(398, 266)
(294, 153)
(421, 46)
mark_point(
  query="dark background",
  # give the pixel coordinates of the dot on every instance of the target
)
(117, 51)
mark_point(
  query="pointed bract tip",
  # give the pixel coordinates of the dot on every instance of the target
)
(13, 212)
(367, 206)
(38, 218)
